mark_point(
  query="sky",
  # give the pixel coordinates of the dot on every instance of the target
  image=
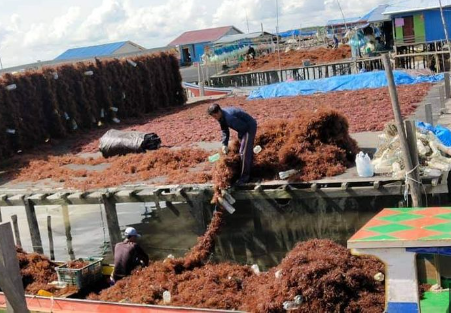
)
(33, 30)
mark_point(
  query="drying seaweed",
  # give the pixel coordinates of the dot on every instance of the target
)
(316, 144)
(294, 58)
(36, 270)
(77, 264)
(60, 100)
(324, 274)
(172, 165)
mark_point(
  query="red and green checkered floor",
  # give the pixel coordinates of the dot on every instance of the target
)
(406, 224)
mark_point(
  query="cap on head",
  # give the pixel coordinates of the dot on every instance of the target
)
(130, 231)
(213, 109)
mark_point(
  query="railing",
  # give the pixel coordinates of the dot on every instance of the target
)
(261, 78)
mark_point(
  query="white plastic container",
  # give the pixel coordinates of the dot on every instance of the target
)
(166, 297)
(11, 87)
(287, 174)
(255, 269)
(364, 166)
(257, 149)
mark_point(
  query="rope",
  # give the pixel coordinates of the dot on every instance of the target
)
(105, 246)
(407, 186)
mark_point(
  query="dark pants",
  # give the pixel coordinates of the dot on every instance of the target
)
(247, 154)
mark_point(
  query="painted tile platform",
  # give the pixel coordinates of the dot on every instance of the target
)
(405, 227)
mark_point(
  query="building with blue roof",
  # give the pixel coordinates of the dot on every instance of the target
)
(105, 50)
(418, 21)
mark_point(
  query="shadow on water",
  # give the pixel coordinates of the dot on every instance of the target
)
(261, 231)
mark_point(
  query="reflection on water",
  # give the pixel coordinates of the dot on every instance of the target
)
(260, 231)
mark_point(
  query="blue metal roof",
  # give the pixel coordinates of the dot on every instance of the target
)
(376, 15)
(340, 21)
(406, 6)
(91, 51)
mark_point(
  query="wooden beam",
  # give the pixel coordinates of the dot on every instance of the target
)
(67, 228)
(10, 278)
(16, 230)
(50, 236)
(447, 86)
(442, 99)
(428, 113)
(414, 187)
(35, 234)
(411, 136)
(112, 220)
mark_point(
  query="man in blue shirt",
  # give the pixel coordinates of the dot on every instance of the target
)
(246, 127)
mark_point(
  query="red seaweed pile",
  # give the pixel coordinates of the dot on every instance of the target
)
(37, 271)
(294, 58)
(326, 276)
(173, 165)
(316, 144)
(366, 110)
(77, 264)
(36, 107)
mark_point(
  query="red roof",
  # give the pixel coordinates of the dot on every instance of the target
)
(203, 35)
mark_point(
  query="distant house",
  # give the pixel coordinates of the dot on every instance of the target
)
(110, 49)
(418, 21)
(339, 26)
(192, 44)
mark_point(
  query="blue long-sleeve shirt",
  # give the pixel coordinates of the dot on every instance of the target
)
(237, 120)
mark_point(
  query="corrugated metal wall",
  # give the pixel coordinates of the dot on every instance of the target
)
(433, 23)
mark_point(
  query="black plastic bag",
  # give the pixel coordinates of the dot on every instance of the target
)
(116, 142)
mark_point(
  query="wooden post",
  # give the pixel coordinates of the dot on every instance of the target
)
(67, 228)
(413, 186)
(437, 269)
(411, 133)
(442, 99)
(112, 220)
(34, 226)
(447, 86)
(16, 230)
(10, 279)
(50, 235)
(428, 112)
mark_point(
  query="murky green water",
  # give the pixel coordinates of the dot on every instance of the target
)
(260, 231)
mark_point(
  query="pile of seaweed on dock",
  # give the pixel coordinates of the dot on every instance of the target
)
(315, 144)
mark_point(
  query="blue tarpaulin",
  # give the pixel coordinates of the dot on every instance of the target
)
(442, 133)
(297, 32)
(339, 83)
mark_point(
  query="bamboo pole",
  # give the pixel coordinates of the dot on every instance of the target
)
(410, 179)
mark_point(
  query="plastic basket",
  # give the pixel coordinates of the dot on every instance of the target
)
(81, 277)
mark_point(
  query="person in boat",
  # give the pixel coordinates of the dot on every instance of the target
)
(128, 255)
(246, 127)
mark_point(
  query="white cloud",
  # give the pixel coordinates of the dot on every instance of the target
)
(26, 37)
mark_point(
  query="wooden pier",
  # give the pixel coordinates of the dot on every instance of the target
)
(261, 78)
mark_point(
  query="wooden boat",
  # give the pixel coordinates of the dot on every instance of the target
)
(65, 305)
(38, 304)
